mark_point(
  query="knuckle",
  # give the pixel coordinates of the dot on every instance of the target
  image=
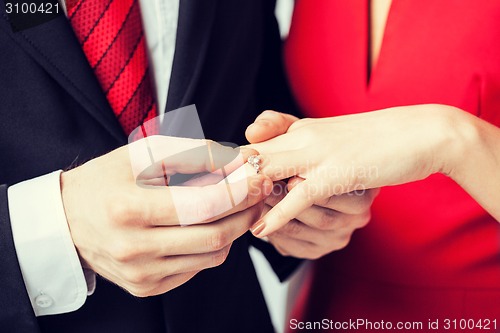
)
(292, 229)
(123, 251)
(364, 219)
(219, 257)
(342, 242)
(281, 250)
(326, 221)
(139, 291)
(120, 211)
(314, 254)
(136, 277)
(299, 123)
(218, 240)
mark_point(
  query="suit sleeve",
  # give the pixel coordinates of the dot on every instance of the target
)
(17, 314)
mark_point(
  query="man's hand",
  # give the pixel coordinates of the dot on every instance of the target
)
(326, 226)
(131, 235)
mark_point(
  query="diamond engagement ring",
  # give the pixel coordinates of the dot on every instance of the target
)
(254, 160)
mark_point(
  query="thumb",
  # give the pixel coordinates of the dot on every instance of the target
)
(268, 125)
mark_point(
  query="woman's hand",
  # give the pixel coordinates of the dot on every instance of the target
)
(322, 228)
(387, 147)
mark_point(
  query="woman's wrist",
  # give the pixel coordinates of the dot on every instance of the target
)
(459, 135)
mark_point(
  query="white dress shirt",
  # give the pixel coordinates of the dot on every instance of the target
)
(51, 269)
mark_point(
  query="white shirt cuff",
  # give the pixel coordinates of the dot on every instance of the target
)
(49, 263)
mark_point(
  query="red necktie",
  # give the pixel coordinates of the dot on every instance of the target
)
(111, 35)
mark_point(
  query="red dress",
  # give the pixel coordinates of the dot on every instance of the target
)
(430, 251)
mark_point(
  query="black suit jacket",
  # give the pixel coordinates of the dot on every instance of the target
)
(53, 115)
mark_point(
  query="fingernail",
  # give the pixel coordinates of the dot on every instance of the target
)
(257, 228)
(267, 186)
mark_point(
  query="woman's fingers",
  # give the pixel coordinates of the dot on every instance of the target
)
(356, 202)
(282, 165)
(296, 201)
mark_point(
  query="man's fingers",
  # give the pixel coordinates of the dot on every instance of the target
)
(279, 191)
(313, 218)
(327, 220)
(179, 264)
(296, 201)
(150, 272)
(227, 175)
(166, 284)
(293, 247)
(298, 231)
(145, 153)
(197, 239)
(353, 203)
(178, 205)
(316, 217)
(268, 125)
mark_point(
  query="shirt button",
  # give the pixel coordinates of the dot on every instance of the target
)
(44, 301)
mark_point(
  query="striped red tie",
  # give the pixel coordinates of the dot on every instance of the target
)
(111, 35)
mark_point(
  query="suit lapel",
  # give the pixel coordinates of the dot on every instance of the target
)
(196, 19)
(54, 46)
